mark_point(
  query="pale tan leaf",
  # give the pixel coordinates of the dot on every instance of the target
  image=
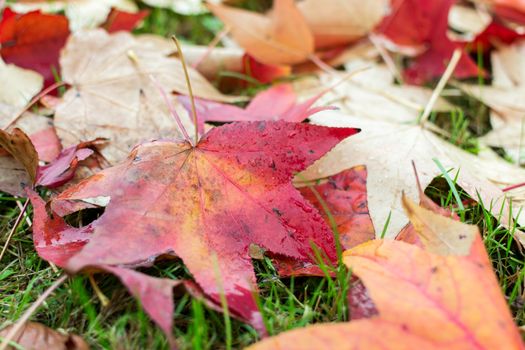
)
(18, 85)
(113, 93)
(388, 149)
(467, 21)
(216, 60)
(439, 234)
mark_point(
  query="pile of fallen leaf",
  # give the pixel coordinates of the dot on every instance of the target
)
(315, 172)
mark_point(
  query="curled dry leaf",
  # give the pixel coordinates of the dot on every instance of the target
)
(36, 336)
(280, 37)
(33, 41)
(14, 177)
(390, 169)
(232, 190)
(39, 128)
(20, 147)
(62, 169)
(115, 93)
(338, 22)
(22, 84)
(21, 156)
(416, 292)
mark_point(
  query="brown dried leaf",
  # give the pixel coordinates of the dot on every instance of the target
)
(36, 336)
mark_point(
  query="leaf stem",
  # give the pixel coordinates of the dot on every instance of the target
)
(35, 100)
(190, 91)
(510, 188)
(454, 60)
(211, 46)
(171, 109)
(13, 229)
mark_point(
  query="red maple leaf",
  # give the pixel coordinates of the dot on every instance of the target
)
(510, 10)
(423, 24)
(206, 204)
(33, 41)
(342, 201)
(495, 34)
(120, 20)
(264, 73)
(277, 103)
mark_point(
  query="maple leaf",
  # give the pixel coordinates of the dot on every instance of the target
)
(277, 103)
(23, 84)
(19, 160)
(116, 96)
(56, 242)
(373, 94)
(206, 204)
(33, 41)
(423, 25)
(359, 302)
(211, 62)
(21, 155)
(19, 146)
(390, 170)
(39, 128)
(511, 10)
(495, 34)
(455, 292)
(281, 37)
(264, 73)
(341, 200)
(339, 22)
(345, 197)
(207, 62)
(121, 20)
(62, 169)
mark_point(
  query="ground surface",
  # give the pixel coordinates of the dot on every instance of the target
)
(286, 303)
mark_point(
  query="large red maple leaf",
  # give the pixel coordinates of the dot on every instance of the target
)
(206, 204)
(33, 41)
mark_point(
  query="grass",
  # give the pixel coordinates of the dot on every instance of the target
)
(285, 303)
